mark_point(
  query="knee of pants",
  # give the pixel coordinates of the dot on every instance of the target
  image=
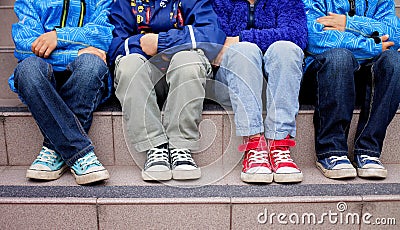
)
(284, 51)
(338, 66)
(30, 72)
(127, 66)
(241, 63)
(390, 61)
(188, 65)
(243, 50)
(89, 66)
(338, 58)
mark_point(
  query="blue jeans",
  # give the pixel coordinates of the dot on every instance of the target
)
(334, 72)
(62, 103)
(242, 70)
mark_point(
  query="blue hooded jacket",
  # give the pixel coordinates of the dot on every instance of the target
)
(180, 25)
(273, 20)
(78, 23)
(371, 16)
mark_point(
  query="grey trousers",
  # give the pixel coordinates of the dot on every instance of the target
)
(140, 85)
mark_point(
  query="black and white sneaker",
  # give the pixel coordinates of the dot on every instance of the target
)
(157, 166)
(183, 165)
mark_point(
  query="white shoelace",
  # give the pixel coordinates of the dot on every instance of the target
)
(181, 155)
(337, 158)
(258, 157)
(281, 156)
(157, 155)
(86, 161)
(48, 156)
(366, 157)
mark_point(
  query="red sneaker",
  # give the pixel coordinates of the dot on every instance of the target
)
(256, 166)
(283, 166)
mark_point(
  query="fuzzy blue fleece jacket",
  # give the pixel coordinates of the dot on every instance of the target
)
(273, 20)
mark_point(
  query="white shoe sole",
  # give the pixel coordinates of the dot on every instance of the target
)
(91, 177)
(372, 173)
(46, 175)
(337, 173)
(156, 175)
(288, 177)
(257, 177)
(186, 174)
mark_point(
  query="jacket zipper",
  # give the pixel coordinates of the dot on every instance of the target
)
(64, 14)
(250, 21)
(82, 14)
(65, 10)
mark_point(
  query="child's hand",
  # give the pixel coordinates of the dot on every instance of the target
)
(45, 44)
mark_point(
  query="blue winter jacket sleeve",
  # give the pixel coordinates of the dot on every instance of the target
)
(291, 26)
(201, 31)
(383, 21)
(96, 33)
(126, 39)
(362, 47)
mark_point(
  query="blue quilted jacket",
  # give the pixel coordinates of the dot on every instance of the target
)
(273, 20)
(370, 16)
(180, 25)
(79, 24)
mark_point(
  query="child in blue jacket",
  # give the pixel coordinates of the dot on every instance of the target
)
(352, 45)
(160, 52)
(62, 76)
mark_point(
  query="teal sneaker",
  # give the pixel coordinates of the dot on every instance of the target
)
(88, 169)
(48, 166)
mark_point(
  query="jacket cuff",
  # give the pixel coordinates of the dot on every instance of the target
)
(62, 38)
(162, 42)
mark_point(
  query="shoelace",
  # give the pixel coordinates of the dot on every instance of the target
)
(336, 158)
(257, 157)
(47, 155)
(181, 155)
(281, 156)
(88, 160)
(157, 155)
(366, 157)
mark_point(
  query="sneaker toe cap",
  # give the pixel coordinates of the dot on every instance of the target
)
(258, 170)
(158, 168)
(40, 167)
(185, 167)
(287, 170)
(372, 166)
(94, 169)
(343, 166)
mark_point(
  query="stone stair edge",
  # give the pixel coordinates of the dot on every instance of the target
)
(209, 200)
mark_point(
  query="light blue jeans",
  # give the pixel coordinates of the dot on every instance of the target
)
(242, 70)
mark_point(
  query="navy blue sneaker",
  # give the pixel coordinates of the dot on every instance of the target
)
(368, 166)
(336, 167)
(157, 166)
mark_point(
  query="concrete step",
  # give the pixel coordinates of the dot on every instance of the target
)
(126, 202)
(20, 138)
